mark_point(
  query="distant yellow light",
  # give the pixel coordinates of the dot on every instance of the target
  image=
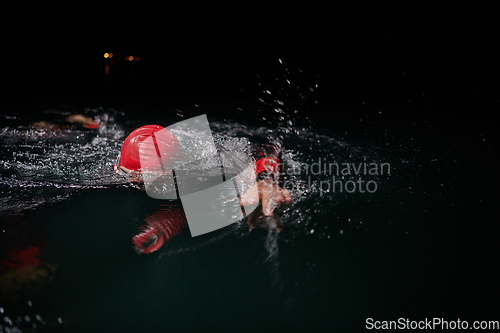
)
(111, 55)
(137, 58)
(130, 58)
(106, 55)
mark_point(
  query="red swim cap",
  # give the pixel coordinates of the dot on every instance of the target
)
(138, 152)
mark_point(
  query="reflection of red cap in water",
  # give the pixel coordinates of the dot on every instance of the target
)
(138, 152)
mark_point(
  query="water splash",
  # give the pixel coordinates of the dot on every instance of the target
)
(38, 166)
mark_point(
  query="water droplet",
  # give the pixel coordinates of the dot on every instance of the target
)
(312, 231)
(341, 231)
(60, 320)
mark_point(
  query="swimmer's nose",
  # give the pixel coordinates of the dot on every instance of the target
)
(91, 125)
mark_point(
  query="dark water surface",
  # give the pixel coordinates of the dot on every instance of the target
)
(421, 245)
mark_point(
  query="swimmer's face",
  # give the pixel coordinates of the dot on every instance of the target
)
(122, 168)
(133, 172)
(134, 176)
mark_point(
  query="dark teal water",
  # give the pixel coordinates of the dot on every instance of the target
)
(421, 245)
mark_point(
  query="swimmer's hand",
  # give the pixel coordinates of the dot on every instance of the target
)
(268, 193)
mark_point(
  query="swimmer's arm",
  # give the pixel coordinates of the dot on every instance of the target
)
(268, 193)
(82, 120)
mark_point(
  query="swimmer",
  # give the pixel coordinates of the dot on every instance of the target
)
(77, 120)
(169, 220)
